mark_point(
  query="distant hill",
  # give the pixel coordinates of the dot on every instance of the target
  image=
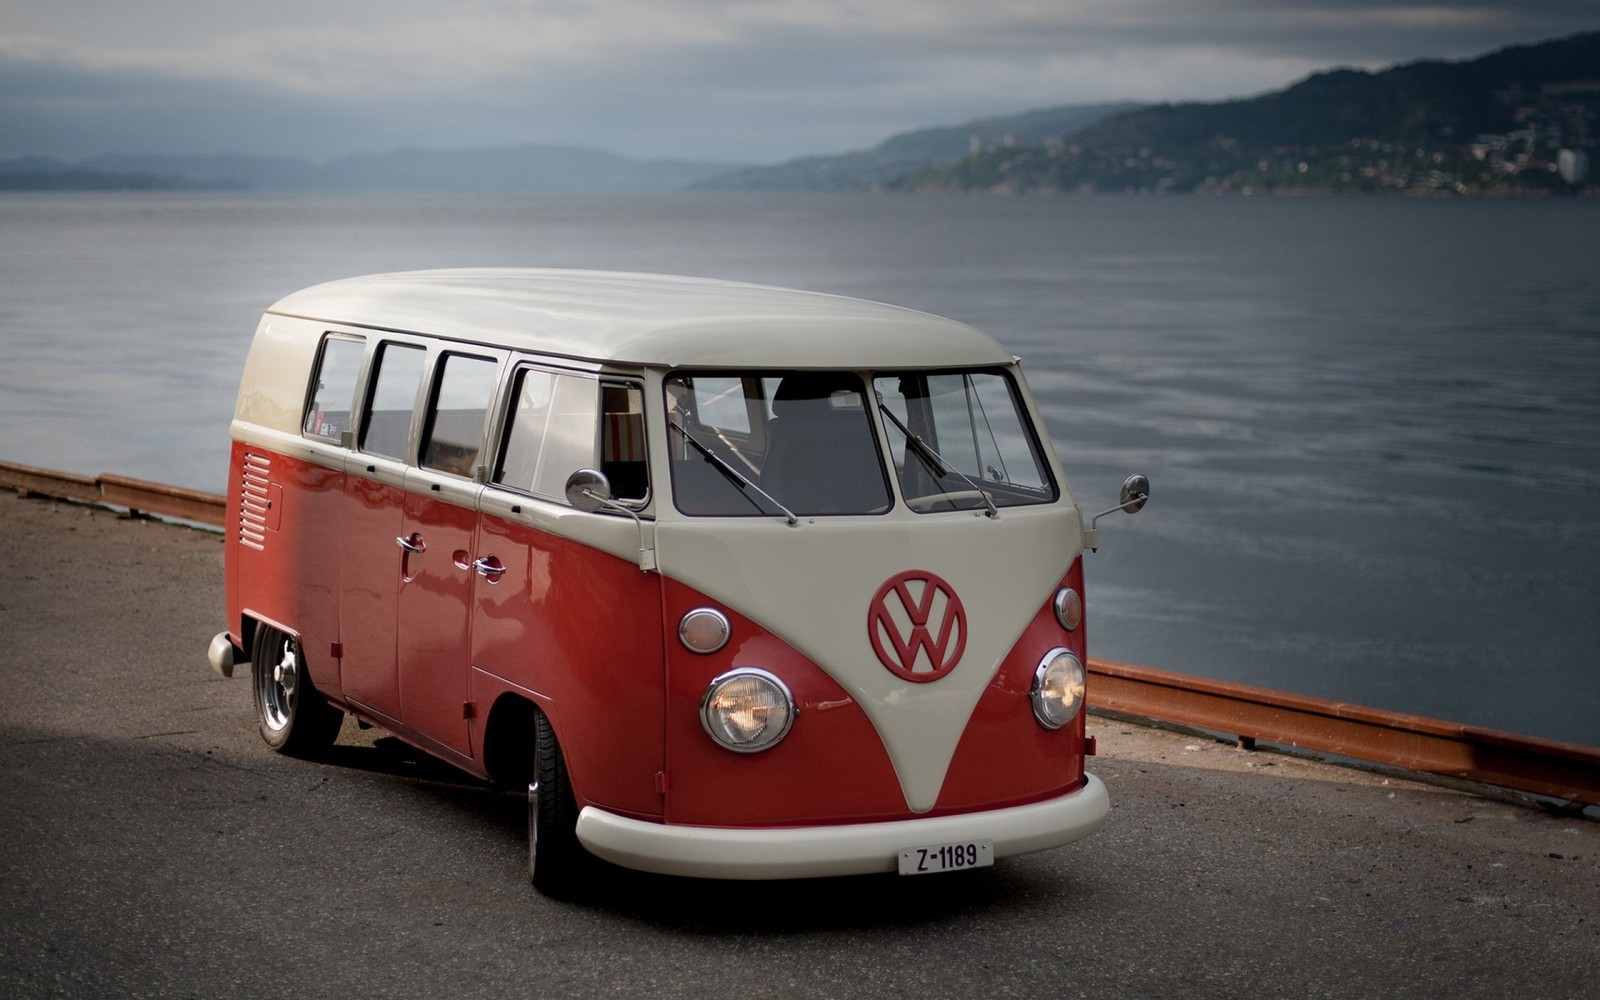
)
(1495, 124)
(37, 173)
(530, 168)
(909, 152)
(1522, 120)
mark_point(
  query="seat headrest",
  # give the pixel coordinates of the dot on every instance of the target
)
(816, 386)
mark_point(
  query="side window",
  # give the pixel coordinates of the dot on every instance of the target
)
(333, 391)
(453, 436)
(394, 394)
(622, 448)
(553, 432)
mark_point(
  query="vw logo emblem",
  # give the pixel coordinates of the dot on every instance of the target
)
(917, 625)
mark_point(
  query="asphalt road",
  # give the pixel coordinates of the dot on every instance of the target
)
(151, 846)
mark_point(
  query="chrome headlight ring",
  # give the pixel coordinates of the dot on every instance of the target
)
(747, 710)
(1058, 688)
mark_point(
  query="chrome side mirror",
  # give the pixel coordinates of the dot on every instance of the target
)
(1135, 494)
(1135, 491)
(588, 490)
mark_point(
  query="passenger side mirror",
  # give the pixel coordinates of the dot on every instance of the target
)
(1135, 491)
(1135, 494)
(588, 490)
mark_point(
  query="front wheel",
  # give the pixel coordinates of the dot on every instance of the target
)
(294, 717)
(556, 861)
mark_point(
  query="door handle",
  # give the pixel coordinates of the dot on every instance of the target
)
(489, 568)
(411, 543)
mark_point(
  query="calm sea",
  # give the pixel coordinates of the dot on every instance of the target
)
(1373, 426)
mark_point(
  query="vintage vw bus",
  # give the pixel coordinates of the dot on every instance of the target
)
(736, 581)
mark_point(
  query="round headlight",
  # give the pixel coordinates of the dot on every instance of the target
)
(747, 710)
(704, 630)
(1057, 688)
(1069, 608)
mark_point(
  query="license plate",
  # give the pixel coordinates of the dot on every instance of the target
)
(947, 857)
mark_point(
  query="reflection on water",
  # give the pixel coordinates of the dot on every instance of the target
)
(1371, 424)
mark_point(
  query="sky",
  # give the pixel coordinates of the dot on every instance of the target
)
(747, 81)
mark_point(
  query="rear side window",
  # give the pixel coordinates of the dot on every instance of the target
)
(333, 391)
(394, 395)
(453, 436)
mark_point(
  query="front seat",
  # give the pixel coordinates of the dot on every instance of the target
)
(822, 451)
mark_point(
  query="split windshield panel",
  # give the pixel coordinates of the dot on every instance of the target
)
(775, 443)
(954, 434)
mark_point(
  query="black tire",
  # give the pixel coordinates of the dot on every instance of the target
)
(556, 861)
(294, 717)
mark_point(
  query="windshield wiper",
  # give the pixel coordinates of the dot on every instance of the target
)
(936, 463)
(733, 474)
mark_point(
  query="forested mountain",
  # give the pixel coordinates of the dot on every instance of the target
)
(910, 152)
(1522, 120)
(528, 168)
(1525, 119)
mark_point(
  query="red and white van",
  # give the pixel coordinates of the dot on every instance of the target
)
(737, 581)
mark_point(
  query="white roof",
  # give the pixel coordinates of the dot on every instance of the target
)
(646, 319)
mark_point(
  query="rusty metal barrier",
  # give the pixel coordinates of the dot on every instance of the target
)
(1563, 771)
(134, 495)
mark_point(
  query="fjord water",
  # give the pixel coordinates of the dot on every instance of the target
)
(1373, 426)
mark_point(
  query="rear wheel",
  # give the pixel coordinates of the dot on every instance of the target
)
(294, 717)
(556, 861)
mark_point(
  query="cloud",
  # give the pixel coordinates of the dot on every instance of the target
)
(730, 79)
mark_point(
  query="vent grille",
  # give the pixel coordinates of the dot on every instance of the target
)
(253, 501)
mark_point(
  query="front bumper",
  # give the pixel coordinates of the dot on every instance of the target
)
(222, 655)
(817, 851)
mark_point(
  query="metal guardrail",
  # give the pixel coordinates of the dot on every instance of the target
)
(1564, 771)
(134, 495)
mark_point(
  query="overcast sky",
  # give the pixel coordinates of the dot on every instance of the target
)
(736, 80)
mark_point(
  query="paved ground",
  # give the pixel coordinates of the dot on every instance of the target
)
(151, 846)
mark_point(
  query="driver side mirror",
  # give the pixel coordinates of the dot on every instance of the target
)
(588, 490)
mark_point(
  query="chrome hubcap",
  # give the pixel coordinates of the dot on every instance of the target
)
(286, 672)
(278, 687)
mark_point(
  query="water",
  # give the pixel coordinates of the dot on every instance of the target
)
(1373, 426)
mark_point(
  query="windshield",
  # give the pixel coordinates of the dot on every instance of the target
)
(958, 437)
(792, 444)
